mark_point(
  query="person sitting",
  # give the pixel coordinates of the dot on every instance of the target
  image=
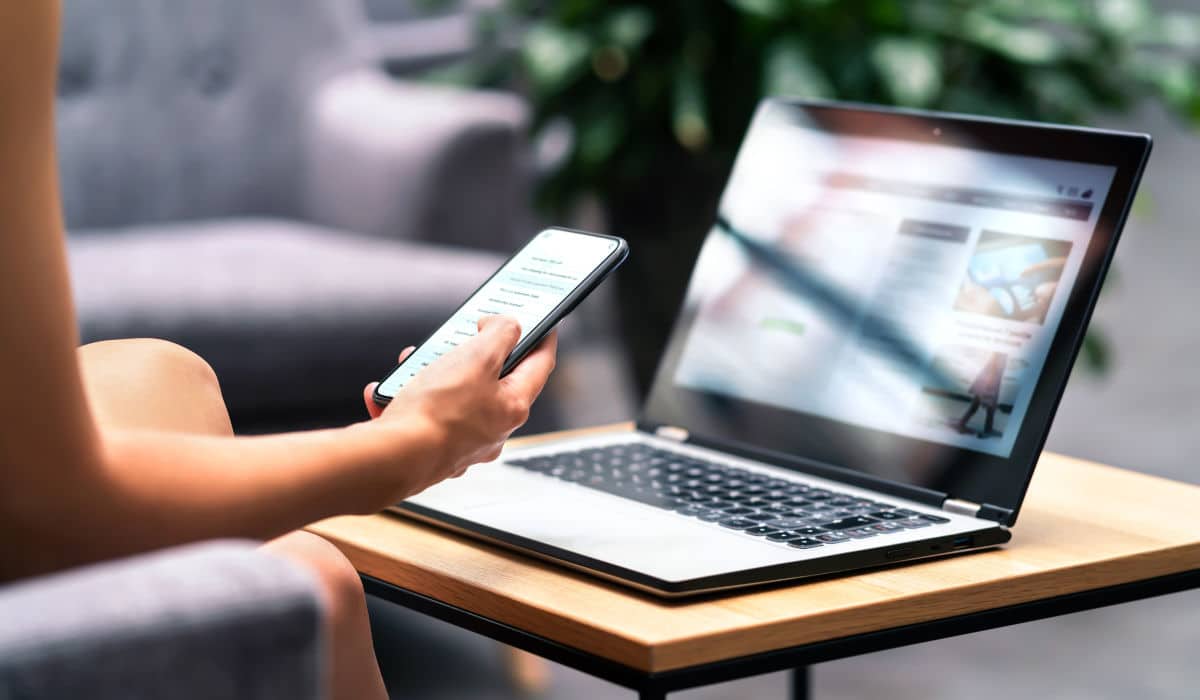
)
(122, 447)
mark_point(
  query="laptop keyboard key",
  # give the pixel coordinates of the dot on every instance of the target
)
(784, 535)
(738, 524)
(861, 533)
(805, 543)
(933, 518)
(848, 523)
(788, 523)
(761, 517)
(832, 537)
(760, 530)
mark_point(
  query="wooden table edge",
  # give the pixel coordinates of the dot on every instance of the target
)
(685, 652)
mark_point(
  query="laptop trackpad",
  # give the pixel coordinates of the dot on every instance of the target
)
(598, 525)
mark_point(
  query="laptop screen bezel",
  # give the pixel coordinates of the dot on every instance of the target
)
(808, 439)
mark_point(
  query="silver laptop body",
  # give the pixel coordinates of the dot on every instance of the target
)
(876, 335)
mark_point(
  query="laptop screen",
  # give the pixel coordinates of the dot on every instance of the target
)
(905, 282)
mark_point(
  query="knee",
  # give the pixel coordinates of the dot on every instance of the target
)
(169, 360)
(335, 575)
(149, 383)
(153, 357)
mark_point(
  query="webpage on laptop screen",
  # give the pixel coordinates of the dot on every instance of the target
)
(905, 287)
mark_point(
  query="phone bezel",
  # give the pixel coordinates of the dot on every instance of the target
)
(568, 304)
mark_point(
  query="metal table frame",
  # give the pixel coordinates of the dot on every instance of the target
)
(655, 685)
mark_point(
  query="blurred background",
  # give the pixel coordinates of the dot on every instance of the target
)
(296, 189)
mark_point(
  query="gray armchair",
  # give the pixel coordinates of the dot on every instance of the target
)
(217, 620)
(239, 176)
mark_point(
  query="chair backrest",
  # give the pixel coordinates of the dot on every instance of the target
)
(184, 109)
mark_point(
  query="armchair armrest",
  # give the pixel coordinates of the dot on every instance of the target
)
(420, 162)
(217, 620)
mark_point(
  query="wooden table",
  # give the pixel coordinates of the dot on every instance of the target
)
(1089, 535)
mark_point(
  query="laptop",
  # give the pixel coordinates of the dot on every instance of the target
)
(877, 332)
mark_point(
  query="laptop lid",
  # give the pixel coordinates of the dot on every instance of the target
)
(896, 298)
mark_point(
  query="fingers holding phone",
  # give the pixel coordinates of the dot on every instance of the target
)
(530, 376)
(464, 400)
(473, 381)
(374, 409)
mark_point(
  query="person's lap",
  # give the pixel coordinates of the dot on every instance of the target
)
(157, 385)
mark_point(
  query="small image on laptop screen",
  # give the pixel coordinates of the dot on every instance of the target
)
(912, 288)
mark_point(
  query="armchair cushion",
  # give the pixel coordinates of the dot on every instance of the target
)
(406, 160)
(294, 318)
(217, 620)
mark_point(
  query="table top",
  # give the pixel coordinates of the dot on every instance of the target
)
(1083, 526)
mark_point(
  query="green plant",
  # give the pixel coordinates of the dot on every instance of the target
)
(657, 94)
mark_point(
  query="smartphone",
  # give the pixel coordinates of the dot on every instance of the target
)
(538, 286)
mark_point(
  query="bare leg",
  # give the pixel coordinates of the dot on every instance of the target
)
(530, 674)
(354, 672)
(157, 385)
(962, 422)
(145, 383)
(989, 419)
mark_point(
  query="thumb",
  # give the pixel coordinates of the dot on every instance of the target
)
(497, 337)
(373, 409)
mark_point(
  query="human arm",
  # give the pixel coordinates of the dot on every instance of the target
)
(73, 490)
(153, 488)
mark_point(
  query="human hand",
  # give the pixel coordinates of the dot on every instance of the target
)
(1049, 270)
(977, 299)
(462, 406)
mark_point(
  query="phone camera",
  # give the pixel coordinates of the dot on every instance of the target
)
(937, 131)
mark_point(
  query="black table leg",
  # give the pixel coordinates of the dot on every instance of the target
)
(800, 683)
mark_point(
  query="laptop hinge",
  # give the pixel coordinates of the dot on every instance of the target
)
(671, 432)
(961, 507)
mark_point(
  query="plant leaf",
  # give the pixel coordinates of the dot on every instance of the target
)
(689, 120)
(769, 9)
(554, 56)
(1025, 44)
(1097, 352)
(788, 71)
(910, 69)
(628, 27)
(1122, 17)
(599, 135)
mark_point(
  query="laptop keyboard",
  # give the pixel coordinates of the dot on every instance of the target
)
(780, 510)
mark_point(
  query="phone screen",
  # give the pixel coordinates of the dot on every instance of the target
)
(528, 287)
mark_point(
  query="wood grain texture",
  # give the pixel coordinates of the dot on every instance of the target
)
(1083, 526)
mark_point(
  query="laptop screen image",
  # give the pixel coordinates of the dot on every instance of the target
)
(883, 293)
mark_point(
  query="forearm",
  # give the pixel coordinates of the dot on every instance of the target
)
(152, 489)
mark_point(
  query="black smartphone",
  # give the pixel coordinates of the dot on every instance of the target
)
(538, 286)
